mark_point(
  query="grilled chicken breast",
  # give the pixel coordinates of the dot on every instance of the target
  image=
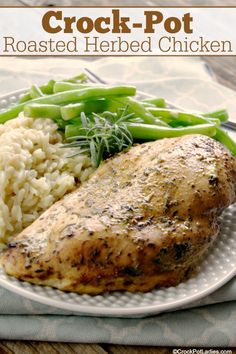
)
(143, 220)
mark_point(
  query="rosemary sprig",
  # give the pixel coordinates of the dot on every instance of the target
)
(102, 135)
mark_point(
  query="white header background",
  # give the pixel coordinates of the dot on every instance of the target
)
(25, 24)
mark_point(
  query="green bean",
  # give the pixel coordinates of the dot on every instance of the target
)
(11, 112)
(214, 121)
(35, 110)
(88, 93)
(35, 92)
(26, 97)
(62, 86)
(153, 132)
(224, 138)
(75, 121)
(72, 130)
(73, 110)
(176, 118)
(172, 116)
(46, 89)
(138, 120)
(156, 102)
(139, 110)
(70, 96)
(221, 114)
(81, 77)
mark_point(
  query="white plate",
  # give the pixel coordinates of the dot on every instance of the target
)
(217, 267)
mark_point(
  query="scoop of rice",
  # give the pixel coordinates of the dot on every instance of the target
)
(35, 172)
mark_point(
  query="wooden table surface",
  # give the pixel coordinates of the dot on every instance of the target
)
(225, 71)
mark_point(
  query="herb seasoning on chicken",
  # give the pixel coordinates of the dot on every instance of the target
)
(143, 220)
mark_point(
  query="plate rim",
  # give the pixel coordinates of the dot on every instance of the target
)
(106, 311)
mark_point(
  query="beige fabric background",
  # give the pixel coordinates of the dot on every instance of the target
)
(117, 2)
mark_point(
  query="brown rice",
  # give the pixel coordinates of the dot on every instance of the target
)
(35, 172)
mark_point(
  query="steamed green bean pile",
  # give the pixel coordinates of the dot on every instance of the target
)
(101, 120)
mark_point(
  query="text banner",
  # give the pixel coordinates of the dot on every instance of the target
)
(117, 31)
